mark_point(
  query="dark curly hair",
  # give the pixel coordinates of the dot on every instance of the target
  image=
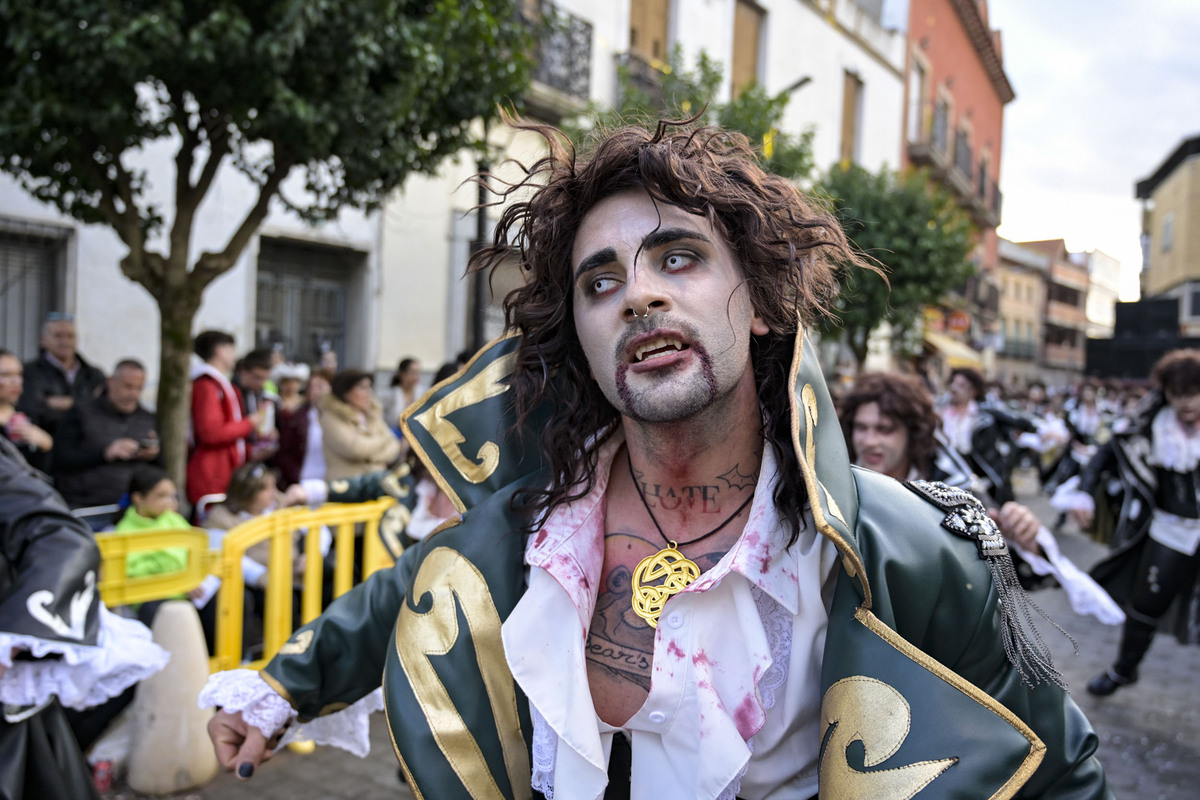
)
(1178, 372)
(783, 243)
(903, 398)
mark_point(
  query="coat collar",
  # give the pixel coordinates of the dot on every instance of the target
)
(473, 454)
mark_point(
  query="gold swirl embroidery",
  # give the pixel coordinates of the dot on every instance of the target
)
(298, 644)
(448, 576)
(487, 384)
(872, 713)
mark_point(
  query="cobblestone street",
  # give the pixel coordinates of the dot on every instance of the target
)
(1149, 733)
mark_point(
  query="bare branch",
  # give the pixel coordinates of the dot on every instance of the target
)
(212, 265)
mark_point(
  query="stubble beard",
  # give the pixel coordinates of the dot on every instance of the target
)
(653, 405)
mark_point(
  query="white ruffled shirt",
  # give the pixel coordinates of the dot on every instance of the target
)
(734, 705)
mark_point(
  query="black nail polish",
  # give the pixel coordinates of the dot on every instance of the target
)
(245, 769)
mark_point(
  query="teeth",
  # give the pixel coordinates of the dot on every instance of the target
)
(657, 344)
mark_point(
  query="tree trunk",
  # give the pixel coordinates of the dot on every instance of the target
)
(174, 389)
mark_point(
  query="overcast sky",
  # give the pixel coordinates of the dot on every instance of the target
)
(1106, 89)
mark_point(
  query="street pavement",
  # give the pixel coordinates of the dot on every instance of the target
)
(1149, 733)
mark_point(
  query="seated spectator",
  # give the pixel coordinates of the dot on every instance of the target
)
(291, 421)
(59, 378)
(355, 437)
(153, 506)
(219, 429)
(31, 442)
(102, 439)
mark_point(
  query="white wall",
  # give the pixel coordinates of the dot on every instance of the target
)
(116, 318)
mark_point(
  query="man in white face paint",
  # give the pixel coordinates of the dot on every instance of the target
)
(707, 601)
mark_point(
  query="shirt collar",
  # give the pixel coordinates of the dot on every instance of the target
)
(570, 545)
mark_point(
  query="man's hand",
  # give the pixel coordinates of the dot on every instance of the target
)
(147, 452)
(295, 495)
(239, 746)
(121, 449)
(1083, 518)
(1018, 524)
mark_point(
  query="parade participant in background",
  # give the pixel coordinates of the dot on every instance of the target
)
(103, 439)
(59, 646)
(59, 378)
(984, 435)
(32, 442)
(891, 427)
(710, 602)
(1154, 557)
(219, 429)
(354, 435)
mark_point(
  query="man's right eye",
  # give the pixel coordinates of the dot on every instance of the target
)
(602, 285)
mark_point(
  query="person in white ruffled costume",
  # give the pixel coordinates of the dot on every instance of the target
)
(1156, 545)
(59, 645)
(891, 427)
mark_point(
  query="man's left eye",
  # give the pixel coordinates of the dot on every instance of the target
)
(676, 261)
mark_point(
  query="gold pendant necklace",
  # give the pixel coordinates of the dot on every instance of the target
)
(668, 565)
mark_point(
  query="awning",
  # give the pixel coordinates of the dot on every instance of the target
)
(953, 352)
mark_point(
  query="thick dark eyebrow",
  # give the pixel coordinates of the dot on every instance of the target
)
(596, 259)
(656, 238)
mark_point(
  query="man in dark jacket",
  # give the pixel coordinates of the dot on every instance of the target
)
(103, 438)
(59, 378)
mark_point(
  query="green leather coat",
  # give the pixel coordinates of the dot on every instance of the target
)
(919, 698)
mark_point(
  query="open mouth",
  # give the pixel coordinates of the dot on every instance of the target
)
(657, 348)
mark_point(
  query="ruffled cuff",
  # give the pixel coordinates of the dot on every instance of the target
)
(1068, 497)
(244, 690)
(81, 676)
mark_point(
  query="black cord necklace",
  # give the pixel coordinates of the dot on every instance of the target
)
(669, 565)
(658, 527)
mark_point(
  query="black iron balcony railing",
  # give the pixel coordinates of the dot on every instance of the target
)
(563, 53)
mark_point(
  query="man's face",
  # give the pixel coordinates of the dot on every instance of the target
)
(880, 442)
(1186, 407)
(11, 380)
(254, 379)
(58, 339)
(631, 256)
(962, 391)
(125, 389)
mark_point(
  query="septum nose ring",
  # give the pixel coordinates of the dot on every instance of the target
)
(642, 316)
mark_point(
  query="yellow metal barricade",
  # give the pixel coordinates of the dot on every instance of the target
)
(115, 547)
(278, 528)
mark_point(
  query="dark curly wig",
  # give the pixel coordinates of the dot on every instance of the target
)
(782, 241)
(903, 398)
(1178, 372)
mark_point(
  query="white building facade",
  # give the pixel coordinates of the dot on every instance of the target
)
(378, 287)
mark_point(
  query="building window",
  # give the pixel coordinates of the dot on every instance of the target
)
(1168, 231)
(648, 29)
(303, 298)
(852, 97)
(963, 158)
(916, 102)
(31, 262)
(747, 33)
(1193, 300)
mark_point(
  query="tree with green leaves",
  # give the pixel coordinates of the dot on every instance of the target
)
(681, 92)
(352, 96)
(913, 228)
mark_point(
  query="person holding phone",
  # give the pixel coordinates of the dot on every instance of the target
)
(103, 439)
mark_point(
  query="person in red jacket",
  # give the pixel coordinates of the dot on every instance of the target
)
(219, 430)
